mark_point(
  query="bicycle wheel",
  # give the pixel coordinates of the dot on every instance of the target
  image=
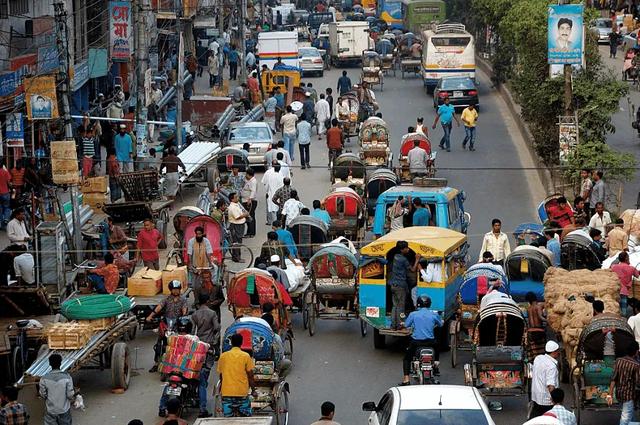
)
(17, 363)
(244, 255)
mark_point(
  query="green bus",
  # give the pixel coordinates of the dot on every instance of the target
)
(419, 15)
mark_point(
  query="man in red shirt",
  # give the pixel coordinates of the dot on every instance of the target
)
(561, 213)
(334, 140)
(148, 239)
(5, 195)
(626, 272)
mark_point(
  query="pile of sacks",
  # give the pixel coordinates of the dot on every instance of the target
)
(567, 310)
(185, 354)
(631, 222)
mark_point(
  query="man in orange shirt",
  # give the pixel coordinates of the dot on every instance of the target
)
(105, 279)
(334, 140)
(236, 378)
(561, 213)
(17, 177)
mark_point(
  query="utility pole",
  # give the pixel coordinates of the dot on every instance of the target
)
(179, 82)
(221, 17)
(568, 89)
(140, 12)
(243, 44)
(63, 84)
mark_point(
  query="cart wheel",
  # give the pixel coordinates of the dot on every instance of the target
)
(453, 341)
(120, 371)
(282, 408)
(288, 347)
(130, 335)
(363, 328)
(17, 365)
(245, 254)
(378, 339)
(212, 173)
(577, 401)
(312, 318)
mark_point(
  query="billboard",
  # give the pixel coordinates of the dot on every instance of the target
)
(565, 35)
(120, 31)
(42, 103)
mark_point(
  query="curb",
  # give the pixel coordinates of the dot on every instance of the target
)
(514, 109)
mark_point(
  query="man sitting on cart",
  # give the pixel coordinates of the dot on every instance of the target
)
(418, 160)
(174, 306)
(423, 322)
(236, 377)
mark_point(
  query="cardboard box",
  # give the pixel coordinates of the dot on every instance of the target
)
(96, 200)
(95, 185)
(145, 282)
(172, 272)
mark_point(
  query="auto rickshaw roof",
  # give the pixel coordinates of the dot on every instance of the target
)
(427, 241)
(430, 193)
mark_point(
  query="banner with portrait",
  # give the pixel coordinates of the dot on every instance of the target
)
(565, 35)
(42, 103)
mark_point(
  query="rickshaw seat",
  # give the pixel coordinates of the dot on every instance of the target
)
(598, 372)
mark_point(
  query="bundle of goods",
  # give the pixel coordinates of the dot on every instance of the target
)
(185, 354)
(95, 190)
(567, 310)
(68, 336)
(92, 307)
(632, 222)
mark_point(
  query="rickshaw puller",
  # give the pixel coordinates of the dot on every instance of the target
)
(423, 321)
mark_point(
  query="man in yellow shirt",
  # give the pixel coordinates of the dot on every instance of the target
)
(469, 119)
(236, 376)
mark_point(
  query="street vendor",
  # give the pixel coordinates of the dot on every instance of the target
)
(173, 306)
(105, 279)
(201, 259)
(117, 239)
(342, 109)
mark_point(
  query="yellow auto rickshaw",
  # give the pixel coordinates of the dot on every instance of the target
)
(442, 253)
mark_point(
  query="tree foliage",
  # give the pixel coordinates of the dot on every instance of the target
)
(519, 33)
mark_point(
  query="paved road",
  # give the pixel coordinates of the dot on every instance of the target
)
(337, 364)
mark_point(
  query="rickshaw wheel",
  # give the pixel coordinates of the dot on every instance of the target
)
(288, 347)
(577, 400)
(363, 328)
(312, 317)
(453, 340)
(305, 316)
(282, 407)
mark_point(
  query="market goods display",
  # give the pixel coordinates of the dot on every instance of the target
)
(185, 354)
(567, 310)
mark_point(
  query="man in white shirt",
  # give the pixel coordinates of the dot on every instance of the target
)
(432, 273)
(601, 219)
(214, 47)
(287, 157)
(634, 322)
(544, 379)
(288, 123)
(272, 181)
(17, 230)
(417, 158)
(292, 207)
(237, 219)
(420, 128)
(323, 113)
(23, 265)
(397, 212)
(285, 171)
(249, 199)
(496, 243)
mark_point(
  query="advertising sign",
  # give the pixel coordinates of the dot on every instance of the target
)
(15, 130)
(568, 137)
(64, 162)
(120, 31)
(42, 103)
(48, 59)
(565, 38)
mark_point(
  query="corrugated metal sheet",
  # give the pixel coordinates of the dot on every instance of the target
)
(196, 156)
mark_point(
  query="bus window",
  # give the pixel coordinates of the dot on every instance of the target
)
(450, 41)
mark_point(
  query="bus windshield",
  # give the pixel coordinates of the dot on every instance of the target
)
(450, 41)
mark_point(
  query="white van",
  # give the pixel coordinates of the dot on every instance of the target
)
(348, 39)
(447, 50)
(278, 44)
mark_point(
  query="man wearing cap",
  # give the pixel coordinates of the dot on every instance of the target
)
(544, 379)
(124, 149)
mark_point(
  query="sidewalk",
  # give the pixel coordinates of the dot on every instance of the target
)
(201, 86)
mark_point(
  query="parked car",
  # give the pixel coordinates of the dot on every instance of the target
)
(429, 404)
(601, 27)
(311, 61)
(461, 91)
(259, 135)
(630, 41)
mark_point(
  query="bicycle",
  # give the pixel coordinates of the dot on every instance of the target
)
(19, 353)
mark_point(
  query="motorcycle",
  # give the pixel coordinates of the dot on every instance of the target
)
(422, 367)
(185, 390)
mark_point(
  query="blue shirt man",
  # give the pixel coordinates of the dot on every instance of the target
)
(399, 271)
(123, 144)
(286, 238)
(233, 56)
(554, 246)
(322, 215)
(446, 111)
(279, 100)
(423, 321)
(344, 83)
(422, 215)
(304, 132)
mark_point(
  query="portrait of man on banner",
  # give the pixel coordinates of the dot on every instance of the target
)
(565, 34)
(42, 103)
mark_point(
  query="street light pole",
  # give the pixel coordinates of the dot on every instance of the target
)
(179, 82)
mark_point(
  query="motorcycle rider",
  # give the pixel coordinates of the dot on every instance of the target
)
(423, 321)
(166, 407)
(174, 307)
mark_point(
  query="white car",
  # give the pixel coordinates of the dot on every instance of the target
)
(429, 404)
(311, 61)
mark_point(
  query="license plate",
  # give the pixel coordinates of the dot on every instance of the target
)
(457, 94)
(174, 391)
(255, 150)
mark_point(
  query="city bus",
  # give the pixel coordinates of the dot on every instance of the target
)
(390, 11)
(419, 15)
(447, 50)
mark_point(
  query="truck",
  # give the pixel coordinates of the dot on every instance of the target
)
(348, 39)
(276, 45)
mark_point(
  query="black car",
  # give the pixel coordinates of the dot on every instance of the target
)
(461, 91)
